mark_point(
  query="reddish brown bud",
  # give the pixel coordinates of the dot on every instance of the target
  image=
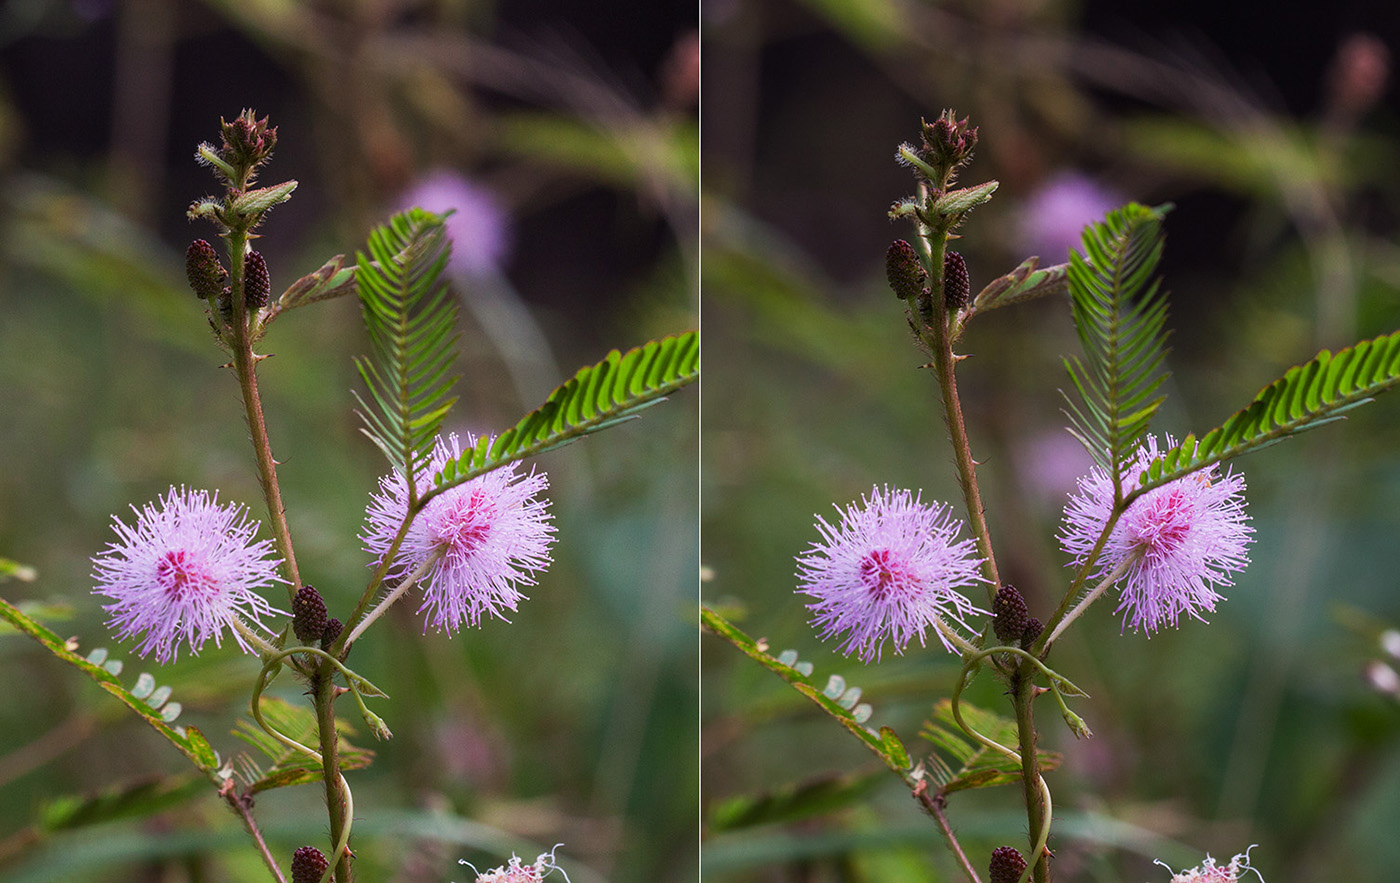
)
(248, 140)
(257, 285)
(904, 270)
(308, 864)
(1009, 615)
(331, 632)
(948, 141)
(957, 290)
(1032, 631)
(203, 269)
(1006, 866)
(308, 615)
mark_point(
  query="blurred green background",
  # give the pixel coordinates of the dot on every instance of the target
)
(567, 136)
(1273, 129)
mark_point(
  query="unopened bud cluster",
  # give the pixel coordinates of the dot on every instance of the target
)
(308, 615)
(247, 144)
(947, 141)
(308, 864)
(1012, 622)
(904, 270)
(206, 274)
(957, 289)
(1007, 865)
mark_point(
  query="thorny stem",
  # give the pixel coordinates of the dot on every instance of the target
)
(323, 694)
(1032, 785)
(935, 336)
(245, 365)
(242, 804)
(934, 805)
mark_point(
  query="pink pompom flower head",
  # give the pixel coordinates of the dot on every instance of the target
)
(184, 572)
(889, 570)
(1177, 542)
(484, 537)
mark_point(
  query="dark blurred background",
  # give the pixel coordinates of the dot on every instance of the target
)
(566, 137)
(1273, 130)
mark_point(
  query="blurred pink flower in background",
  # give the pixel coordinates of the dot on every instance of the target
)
(1055, 215)
(1209, 872)
(518, 872)
(479, 226)
(1049, 465)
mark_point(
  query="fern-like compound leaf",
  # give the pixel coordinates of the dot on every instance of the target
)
(1120, 313)
(152, 705)
(961, 763)
(852, 715)
(597, 397)
(411, 319)
(1305, 397)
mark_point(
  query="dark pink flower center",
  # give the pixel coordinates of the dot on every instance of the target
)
(182, 575)
(465, 522)
(884, 573)
(1164, 524)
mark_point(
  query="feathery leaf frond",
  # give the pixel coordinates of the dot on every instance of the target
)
(597, 397)
(837, 698)
(1120, 313)
(977, 765)
(411, 320)
(1305, 397)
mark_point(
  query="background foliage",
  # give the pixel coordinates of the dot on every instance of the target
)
(1275, 134)
(575, 723)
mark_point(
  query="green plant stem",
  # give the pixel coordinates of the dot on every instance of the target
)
(1053, 627)
(1112, 577)
(323, 694)
(388, 600)
(1022, 698)
(245, 365)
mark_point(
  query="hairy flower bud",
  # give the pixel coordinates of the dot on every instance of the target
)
(1009, 615)
(1006, 866)
(956, 287)
(308, 864)
(948, 140)
(904, 270)
(257, 285)
(205, 272)
(247, 140)
(308, 615)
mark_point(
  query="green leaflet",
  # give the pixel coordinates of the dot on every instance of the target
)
(836, 699)
(1305, 397)
(1120, 313)
(597, 397)
(149, 702)
(411, 319)
(977, 766)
